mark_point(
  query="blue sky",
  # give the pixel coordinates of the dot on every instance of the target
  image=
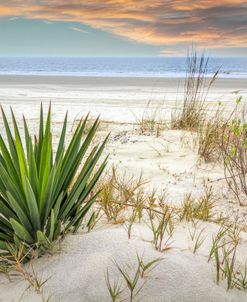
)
(25, 37)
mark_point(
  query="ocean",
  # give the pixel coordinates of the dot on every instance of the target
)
(118, 67)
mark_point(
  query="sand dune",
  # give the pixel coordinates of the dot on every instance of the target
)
(76, 270)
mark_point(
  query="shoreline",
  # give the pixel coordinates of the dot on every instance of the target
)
(113, 80)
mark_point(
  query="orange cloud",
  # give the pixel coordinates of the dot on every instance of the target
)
(159, 22)
(7, 11)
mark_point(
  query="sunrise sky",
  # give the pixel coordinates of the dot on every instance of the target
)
(122, 27)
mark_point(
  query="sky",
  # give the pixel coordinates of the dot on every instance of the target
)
(122, 27)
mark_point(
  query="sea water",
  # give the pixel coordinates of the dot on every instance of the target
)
(118, 67)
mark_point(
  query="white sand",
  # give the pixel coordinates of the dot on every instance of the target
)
(169, 163)
(116, 99)
(77, 272)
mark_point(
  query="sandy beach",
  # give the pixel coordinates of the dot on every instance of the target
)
(76, 268)
(119, 99)
(123, 151)
(169, 164)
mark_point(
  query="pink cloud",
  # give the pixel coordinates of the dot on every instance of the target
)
(158, 22)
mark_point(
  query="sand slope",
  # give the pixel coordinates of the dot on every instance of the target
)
(77, 272)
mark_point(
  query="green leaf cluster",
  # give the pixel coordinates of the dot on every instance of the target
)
(45, 191)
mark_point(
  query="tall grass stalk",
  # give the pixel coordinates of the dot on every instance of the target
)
(196, 88)
(150, 122)
(234, 152)
(210, 134)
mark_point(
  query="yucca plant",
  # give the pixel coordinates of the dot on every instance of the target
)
(45, 193)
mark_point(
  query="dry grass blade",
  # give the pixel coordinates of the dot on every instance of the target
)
(117, 191)
(150, 123)
(209, 136)
(196, 89)
(240, 279)
(200, 208)
(234, 152)
(161, 224)
(16, 268)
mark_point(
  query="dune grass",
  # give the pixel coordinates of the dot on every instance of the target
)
(196, 88)
(223, 138)
(223, 251)
(209, 136)
(196, 235)
(117, 191)
(133, 281)
(234, 152)
(150, 122)
(197, 208)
